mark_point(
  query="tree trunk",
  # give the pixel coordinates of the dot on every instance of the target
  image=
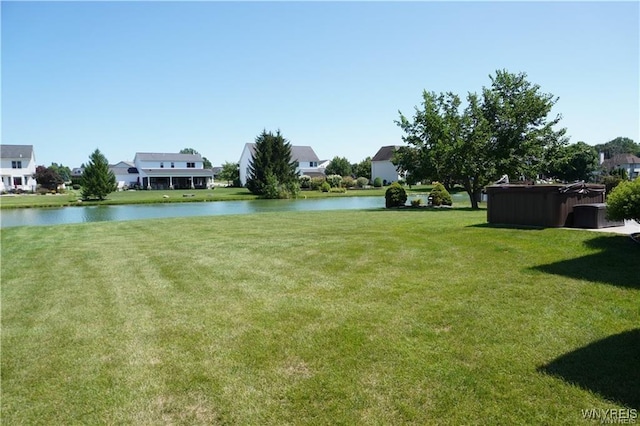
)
(474, 200)
(474, 194)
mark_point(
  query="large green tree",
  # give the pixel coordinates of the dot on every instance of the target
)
(231, 173)
(272, 174)
(433, 136)
(505, 130)
(573, 162)
(362, 169)
(63, 171)
(97, 180)
(339, 166)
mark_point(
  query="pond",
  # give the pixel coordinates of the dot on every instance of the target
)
(78, 214)
(64, 215)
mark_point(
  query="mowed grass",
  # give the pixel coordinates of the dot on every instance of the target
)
(349, 317)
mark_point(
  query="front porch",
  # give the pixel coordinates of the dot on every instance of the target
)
(176, 182)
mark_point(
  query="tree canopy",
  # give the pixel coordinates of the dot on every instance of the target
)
(63, 171)
(362, 169)
(339, 166)
(97, 180)
(619, 145)
(272, 174)
(48, 177)
(505, 130)
(573, 162)
(231, 173)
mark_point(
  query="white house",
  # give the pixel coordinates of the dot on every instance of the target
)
(172, 171)
(628, 162)
(307, 162)
(382, 167)
(126, 174)
(17, 168)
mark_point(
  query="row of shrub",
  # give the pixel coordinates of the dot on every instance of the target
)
(337, 181)
(333, 181)
(396, 196)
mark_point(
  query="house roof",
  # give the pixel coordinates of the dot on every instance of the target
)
(298, 153)
(303, 153)
(119, 170)
(385, 153)
(620, 159)
(123, 164)
(164, 156)
(16, 151)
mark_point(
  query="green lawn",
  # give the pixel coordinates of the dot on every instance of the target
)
(71, 197)
(350, 317)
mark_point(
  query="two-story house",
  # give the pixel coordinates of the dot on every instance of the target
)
(307, 162)
(17, 168)
(126, 174)
(382, 166)
(172, 171)
(629, 162)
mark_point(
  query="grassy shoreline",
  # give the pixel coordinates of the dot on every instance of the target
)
(361, 317)
(70, 199)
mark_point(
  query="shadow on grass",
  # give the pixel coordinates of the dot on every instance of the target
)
(423, 209)
(507, 226)
(608, 367)
(616, 263)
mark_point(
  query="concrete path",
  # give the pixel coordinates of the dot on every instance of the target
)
(630, 227)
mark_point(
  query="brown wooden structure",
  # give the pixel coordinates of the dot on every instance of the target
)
(539, 205)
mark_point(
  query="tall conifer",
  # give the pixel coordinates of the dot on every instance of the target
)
(271, 169)
(97, 180)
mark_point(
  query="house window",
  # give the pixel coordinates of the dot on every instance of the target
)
(16, 165)
(162, 165)
(191, 165)
(173, 164)
(17, 181)
(313, 164)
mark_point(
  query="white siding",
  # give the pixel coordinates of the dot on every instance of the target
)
(167, 165)
(25, 174)
(385, 170)
(245, 159)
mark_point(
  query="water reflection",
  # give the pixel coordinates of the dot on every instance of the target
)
(58, 216)
(98, 214)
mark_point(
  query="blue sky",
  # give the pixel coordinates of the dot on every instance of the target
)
(129, 77)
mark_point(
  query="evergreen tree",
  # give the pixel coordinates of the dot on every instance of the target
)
(97, 180)
(271, 172)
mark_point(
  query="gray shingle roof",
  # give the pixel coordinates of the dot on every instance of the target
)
(620, 159)
(303, 153)
(385, 153)
(159, 156)
(298, 153)
(16, 151)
